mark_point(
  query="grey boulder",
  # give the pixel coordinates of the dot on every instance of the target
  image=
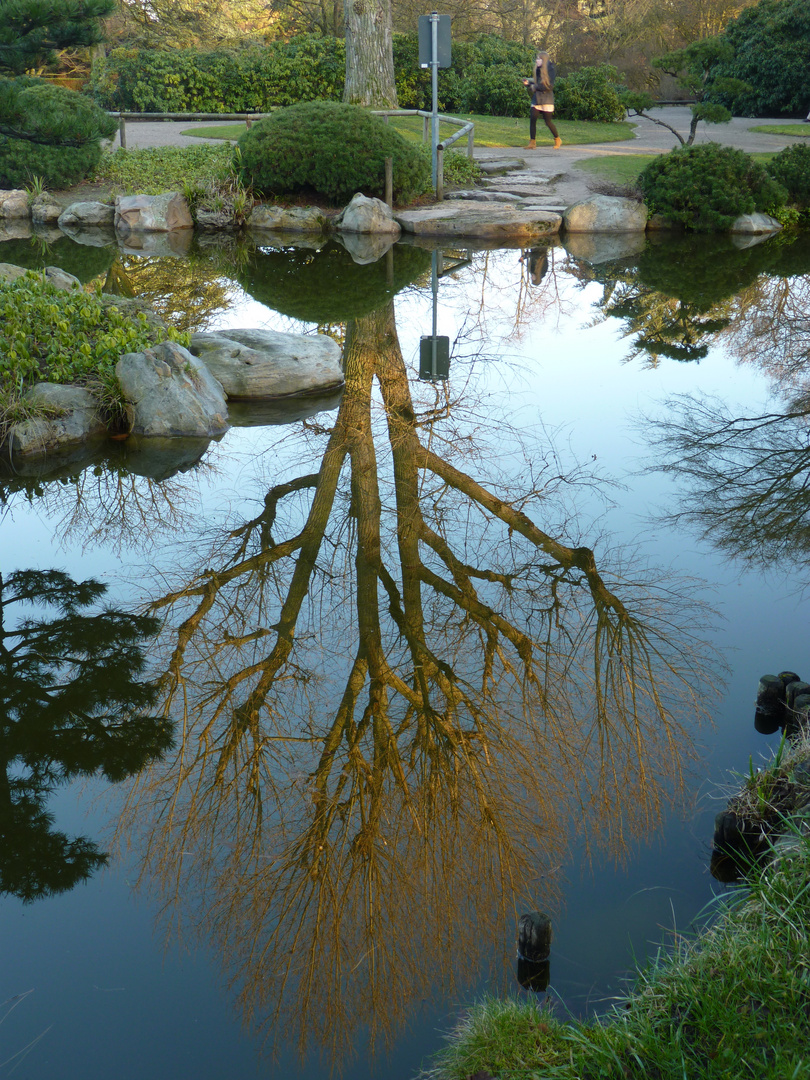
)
(152, 213)
(45, 209)
(604, 213)
(256, 364)
(292, 219)
(70, 415)
(14, 203)
(364, 215)
(755, 224)
(83, 214)
(57, 277)
(484, 221)
(169, 393)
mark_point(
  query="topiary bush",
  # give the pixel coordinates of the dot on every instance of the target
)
(495, 91)
(330, 149)
(791, 169)
(52, 113)
(589, 94)
(707, 187)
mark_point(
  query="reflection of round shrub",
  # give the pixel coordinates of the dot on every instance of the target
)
(331, 149)
(707, 187)
(55, 113)
(301, 283)
(791, 168)
(494, 91)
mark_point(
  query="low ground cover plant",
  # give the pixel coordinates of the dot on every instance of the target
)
(329, 149)
(706, 187)
(68, 337)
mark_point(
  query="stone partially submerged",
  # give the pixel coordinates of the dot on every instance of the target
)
(170, 393)
(152, 213)
(364, 215)
(257, 364)
(485, 222)
(604, 213)
(68, 415)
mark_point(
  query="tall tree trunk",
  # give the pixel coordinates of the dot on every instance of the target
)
(369, 54)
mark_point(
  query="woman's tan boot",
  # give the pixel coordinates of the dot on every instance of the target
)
(557, 143)
(531, 145)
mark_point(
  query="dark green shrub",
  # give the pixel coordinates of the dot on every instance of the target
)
(305, 68)
(331, 149)
(53, 113)
(791, 168)
(495, 91)
(707, 187)
(589, 94)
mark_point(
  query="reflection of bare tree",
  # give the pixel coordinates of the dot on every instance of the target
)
(748, 477)
(394, 688)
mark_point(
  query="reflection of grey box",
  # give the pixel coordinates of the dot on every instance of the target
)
(442, 41)
(434, 357)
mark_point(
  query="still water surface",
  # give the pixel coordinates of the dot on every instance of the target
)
(436, 653)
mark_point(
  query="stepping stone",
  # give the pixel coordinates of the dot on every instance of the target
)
(482, 220)
(476, 195)
(502, 165)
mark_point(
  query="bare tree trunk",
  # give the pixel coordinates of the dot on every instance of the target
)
(369, 54)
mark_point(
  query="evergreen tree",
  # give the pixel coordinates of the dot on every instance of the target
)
(45, 130)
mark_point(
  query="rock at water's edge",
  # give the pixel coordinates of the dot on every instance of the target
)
(603, 213)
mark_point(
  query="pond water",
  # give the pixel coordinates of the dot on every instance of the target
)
(433, 652)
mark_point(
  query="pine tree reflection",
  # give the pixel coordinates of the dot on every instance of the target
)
(71, 704)
(401, 700)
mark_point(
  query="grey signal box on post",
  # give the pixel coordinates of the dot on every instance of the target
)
(442, 41)
(434, 358)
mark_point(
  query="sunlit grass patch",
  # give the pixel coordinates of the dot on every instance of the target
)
(616, 168)
(800, 130)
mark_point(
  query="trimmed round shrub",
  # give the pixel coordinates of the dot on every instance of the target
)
(495, 91)
(52, 112)
(329, 149)
(791, 169)
(707, 187)
(589, 94)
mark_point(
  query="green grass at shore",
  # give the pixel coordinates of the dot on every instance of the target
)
(617, 168)
(162, 168)
(800, 130)
(732, 1002)
(490, 131)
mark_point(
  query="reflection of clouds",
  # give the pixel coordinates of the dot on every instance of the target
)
(401, 697)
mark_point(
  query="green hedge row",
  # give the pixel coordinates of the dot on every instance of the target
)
(485, 78)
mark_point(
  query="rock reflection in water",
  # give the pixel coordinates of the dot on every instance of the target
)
(401, 700)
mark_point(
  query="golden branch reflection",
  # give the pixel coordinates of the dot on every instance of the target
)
(400, 701)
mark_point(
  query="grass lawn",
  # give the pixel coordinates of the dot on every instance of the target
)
(801, 130)
(617, 168)
(489, 131)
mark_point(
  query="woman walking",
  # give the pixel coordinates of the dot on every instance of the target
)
(542, 88)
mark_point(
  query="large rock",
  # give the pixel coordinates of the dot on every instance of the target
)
(256, 364)
(152, 213)
(14, 204)
(170, 393)
(57, 277)
(45, 209)
(364, 215)
(756, 224)
(83, 215)
(604, 213)
(70, 416)
(292, 219)
(486, 222)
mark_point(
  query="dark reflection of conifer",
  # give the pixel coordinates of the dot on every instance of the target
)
(400, 698)
(72, 704)
(680, 293)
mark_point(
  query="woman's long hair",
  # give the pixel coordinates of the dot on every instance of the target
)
(544, 81)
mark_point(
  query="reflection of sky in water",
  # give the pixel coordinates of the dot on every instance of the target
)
(98, 974)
